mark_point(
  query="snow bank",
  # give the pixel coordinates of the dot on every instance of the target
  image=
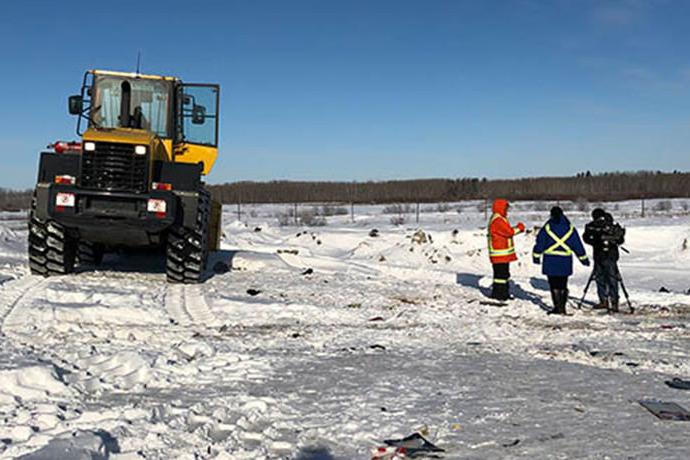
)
(125, 370)
(30, 384)
(257, 261)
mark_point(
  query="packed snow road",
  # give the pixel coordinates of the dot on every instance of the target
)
(318, 344)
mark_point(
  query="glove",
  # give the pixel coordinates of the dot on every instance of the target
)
(585, 262)
(536, 260)
(521, 227)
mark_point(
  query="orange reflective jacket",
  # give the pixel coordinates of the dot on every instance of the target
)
(500, 235)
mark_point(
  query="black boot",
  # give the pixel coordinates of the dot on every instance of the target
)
(500, 291)
(559, 298)
(613, 305)
(554, 300)
(563, 300)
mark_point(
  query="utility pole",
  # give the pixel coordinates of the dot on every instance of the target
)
(352, 201)
(239, 205)
(642, 206)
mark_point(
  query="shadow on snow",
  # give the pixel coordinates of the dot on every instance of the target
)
(471, 280)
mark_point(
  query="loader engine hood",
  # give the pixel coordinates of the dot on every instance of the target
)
(123, 135)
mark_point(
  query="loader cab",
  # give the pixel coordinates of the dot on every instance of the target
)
(143, 104)
(179, 121)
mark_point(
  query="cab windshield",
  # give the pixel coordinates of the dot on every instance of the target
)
(119, 102)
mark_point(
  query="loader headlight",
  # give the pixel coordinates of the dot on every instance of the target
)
(140, 150)
(89, 146)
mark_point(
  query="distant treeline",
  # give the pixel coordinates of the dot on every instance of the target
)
(584, 186)
(12, 200)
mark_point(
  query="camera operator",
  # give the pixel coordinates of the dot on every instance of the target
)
(605, 235)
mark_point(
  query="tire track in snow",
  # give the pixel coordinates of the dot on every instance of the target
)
(187, 306)
(15, 296)
(17, 293)
(120, 370)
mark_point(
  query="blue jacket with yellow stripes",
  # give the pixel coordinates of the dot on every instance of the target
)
(557, 241)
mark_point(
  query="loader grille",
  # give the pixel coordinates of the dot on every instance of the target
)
(114, 167)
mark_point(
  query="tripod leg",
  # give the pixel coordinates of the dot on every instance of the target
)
(625, 292)
(619, 281)
(584, 294)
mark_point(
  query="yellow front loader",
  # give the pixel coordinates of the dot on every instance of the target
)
(135, 179)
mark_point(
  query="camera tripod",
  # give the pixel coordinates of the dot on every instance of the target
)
(619, 279)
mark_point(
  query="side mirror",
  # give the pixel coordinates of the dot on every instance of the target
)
(198, 115)
(76, 105)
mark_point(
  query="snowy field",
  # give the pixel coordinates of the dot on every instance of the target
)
(320, 342)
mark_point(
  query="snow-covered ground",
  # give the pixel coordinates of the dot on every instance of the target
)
(323, 341)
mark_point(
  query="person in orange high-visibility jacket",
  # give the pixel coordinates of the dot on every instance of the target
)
(501, 248)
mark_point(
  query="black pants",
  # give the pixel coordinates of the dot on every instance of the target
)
(558, 282)
(606, 275)
(501, 287)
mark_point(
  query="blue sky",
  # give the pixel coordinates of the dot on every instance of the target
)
(366, 90)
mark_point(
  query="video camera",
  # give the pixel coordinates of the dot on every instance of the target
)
(613, 234)
(610, 233)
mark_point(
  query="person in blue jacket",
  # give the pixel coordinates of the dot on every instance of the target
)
(557, 241)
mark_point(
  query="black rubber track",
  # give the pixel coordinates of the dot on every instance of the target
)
(187, 248)
(51, 250)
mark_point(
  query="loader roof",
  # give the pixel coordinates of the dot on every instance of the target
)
(131, 75)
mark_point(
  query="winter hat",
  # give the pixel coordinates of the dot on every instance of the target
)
(598, 213)
(556, 213)
(500, 206)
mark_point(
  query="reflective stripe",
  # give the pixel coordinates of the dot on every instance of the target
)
(583, 257)
(555, 248)
(500, 281)
(499, 252)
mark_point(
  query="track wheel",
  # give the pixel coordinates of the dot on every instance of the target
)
(51, 250)
(187, 248)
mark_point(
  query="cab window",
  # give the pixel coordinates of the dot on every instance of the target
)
(199, 114)
(131, 103)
